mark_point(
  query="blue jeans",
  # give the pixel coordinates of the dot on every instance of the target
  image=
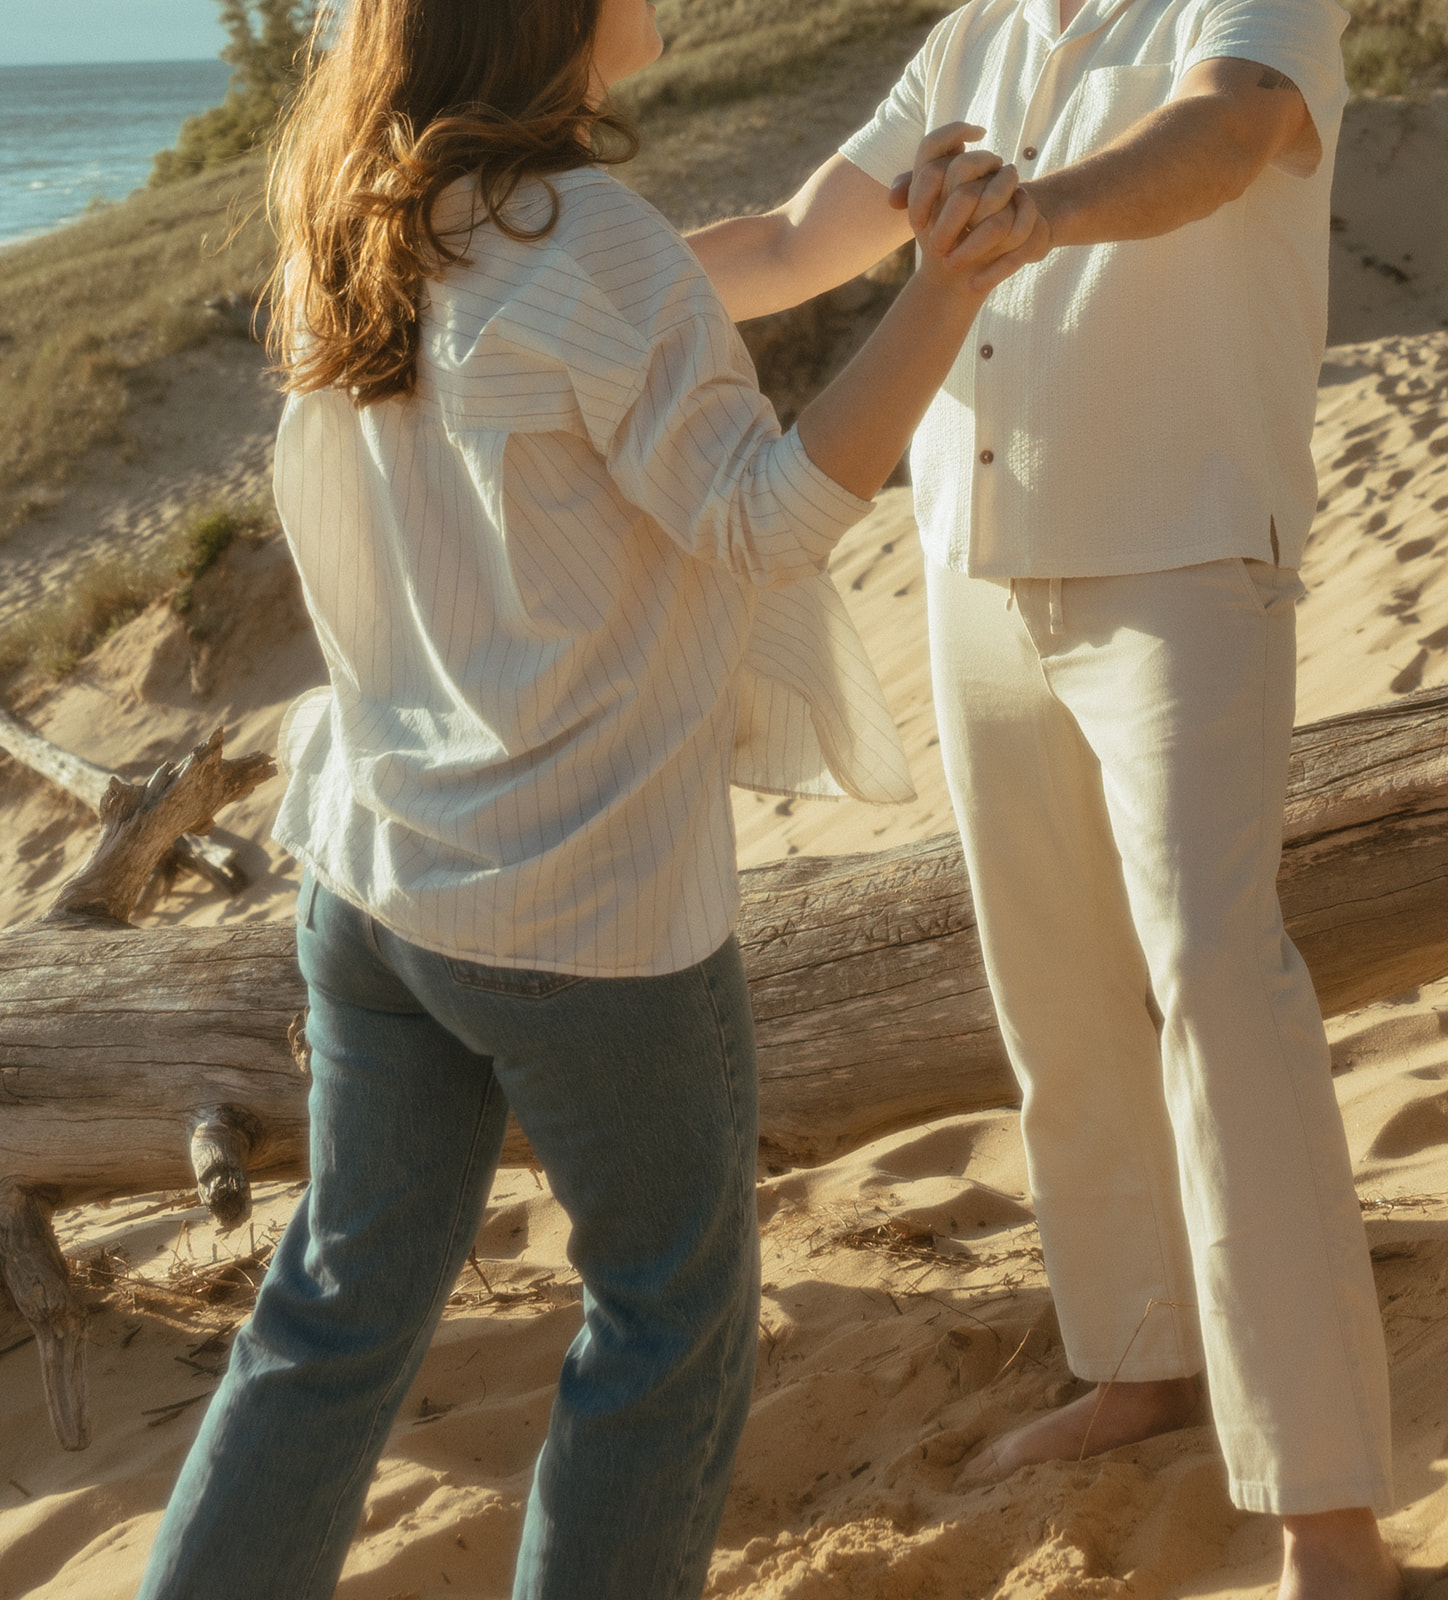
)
(640, 1098)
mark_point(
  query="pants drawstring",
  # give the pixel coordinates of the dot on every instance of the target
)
(1057, 610)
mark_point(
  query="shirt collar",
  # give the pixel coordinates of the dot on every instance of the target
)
(1044, 17)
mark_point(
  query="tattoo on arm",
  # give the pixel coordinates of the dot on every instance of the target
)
(1273, 79)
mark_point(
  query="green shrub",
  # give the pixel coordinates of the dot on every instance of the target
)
(267, 57)
(212, 531)
(1396, 46)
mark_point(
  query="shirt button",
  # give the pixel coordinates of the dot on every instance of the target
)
(986, 457)
(1029, 153)
(987, 351)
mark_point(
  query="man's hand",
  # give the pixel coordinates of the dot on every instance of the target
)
(1228, 120)
(967, 209)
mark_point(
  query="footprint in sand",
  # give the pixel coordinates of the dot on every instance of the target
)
(1416, 1127)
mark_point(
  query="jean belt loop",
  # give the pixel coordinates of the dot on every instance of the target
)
(1011, 596)
(1058, 614)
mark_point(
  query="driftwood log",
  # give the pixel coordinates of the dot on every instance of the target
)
(88, 782)
(140, 824)
(136, 1060)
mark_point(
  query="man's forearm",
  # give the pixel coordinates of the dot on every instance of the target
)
(1174, 167)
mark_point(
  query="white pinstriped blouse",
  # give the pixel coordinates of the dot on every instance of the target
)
(565, 593)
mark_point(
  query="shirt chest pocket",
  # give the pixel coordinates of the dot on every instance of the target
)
(1106, 102)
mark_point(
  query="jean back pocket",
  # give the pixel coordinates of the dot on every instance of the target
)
(519, 981)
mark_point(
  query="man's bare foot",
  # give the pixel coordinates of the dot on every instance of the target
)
(1337, 1555)
(1110, 1415)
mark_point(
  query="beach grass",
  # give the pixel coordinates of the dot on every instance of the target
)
(106, 593)
(87, 311)
(731, 50)
(1396, 47)
(52, 638)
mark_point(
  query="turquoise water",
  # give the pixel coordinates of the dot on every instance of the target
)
(70, 134)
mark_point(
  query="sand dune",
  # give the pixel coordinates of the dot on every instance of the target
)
(906, 1314)
(905, 1317)
(1372, 623)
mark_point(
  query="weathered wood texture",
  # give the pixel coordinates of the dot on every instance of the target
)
(34, 1274)
(89, 783)
(1364, 880)
(113, 1044)
(133, 1060)
(865, 973)
(140, 824)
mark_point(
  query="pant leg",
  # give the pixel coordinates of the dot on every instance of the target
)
(406, 1126)
(640, 1098)
(651, 1150)
(1182, 684)
(1071, 990)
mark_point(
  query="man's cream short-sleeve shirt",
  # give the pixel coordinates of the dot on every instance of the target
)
(1137, 406)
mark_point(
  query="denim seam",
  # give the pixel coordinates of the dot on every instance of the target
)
(686, 1543)
(458, 970)
(385, 1398)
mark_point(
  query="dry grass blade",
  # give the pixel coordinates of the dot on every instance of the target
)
(81, 339)
(1381, 1205)
(906, 1241)
(161, 1415)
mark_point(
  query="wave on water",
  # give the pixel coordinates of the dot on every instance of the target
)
(73, 136)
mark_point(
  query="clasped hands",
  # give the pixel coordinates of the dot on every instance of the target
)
(968, 209)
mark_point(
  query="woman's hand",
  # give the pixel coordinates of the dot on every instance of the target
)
(972, 220)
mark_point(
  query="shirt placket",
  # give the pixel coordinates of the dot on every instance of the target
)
(998, 388)
(997, 379)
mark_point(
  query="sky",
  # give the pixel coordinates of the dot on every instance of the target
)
(45, 31)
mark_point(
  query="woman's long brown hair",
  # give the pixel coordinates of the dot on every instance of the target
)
(411, 96)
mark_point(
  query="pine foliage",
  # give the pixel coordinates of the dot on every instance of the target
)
(267, 41)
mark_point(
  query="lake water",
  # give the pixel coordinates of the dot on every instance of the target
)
(69, 134)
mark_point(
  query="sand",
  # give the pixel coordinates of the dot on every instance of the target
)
(906, 1314)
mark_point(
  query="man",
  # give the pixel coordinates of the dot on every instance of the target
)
(1114, 487)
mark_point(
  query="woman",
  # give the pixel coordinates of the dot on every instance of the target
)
(566, 574)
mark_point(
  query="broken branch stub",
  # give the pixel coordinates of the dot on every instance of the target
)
(865, 974)
(221, 1141)
(36, 1276)
(140, 824)
(87, 782)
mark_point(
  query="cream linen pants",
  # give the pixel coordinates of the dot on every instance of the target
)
(1117, 754)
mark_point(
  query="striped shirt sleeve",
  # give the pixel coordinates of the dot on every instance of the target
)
(701, 452)
(617, 335)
